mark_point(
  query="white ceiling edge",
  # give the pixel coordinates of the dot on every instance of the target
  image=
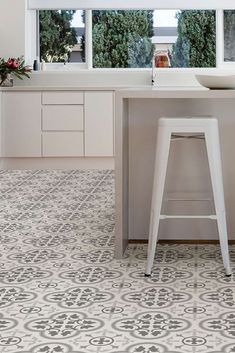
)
(132, 4)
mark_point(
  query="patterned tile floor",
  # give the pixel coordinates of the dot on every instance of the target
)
(61, 290)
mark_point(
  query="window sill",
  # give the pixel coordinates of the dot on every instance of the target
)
(71, 69)
(118, 77)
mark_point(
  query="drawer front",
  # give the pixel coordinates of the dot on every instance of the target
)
(69, 97)
(62, 144)
(63, 117)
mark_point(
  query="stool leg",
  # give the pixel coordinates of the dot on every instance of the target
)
(161, 159)
(214, 157)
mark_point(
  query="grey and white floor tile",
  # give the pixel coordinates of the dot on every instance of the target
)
(62, 291)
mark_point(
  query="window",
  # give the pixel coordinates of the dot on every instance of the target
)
(122, 39)
(62, 36)
(128, 38)
(195, 46)
(229, 36)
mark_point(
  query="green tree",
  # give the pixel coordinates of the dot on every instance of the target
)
(57, 37)
(122, 38)
(229, 31)
(196, 42)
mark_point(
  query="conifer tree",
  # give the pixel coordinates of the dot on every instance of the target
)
(57, 37)
(122, 38)
(196, 42)
(229, 33)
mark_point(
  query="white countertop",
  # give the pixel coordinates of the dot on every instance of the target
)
(60, 88)
(147, 88)
(136, 91)
(173, 92)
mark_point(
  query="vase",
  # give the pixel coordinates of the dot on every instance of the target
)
(7, 81)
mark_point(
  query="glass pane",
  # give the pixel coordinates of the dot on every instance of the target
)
(196, 42)
(229, 35)
(123, 39)
(62, 35)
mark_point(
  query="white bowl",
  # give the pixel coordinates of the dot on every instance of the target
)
(217, 82)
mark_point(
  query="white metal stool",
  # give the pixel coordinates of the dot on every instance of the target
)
(167, 127)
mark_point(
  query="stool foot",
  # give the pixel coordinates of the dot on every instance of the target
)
(228, 271)
(147, 275)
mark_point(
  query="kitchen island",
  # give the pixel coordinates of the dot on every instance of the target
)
(136, 113)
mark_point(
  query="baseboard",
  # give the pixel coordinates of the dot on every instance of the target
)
(180, 241)
(58, 163)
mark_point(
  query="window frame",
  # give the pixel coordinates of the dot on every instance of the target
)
(88, 65)
(225, 65)
(130, 4)
(88, 47)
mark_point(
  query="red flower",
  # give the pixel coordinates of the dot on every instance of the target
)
(9, 62)
(14, 66)
(13, 63)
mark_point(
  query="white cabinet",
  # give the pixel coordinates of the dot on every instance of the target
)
(99, 124)
(21, 124)
(62, 117)
(57, 123)
(62, 144)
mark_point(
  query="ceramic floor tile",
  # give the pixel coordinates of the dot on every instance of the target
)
(62, 291)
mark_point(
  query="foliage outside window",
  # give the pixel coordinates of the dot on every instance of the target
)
(229, 35)
(57, 37)
(124, 38)
(196, 42)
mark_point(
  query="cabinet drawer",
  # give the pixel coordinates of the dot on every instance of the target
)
(69, 97)
(63, 117)
(62, 144)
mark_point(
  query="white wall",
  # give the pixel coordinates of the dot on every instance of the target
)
(12, 28)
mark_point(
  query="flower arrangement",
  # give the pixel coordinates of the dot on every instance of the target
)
(14, 66)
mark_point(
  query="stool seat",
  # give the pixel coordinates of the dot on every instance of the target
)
(167, 127)
(187, 125)
(188, 122)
